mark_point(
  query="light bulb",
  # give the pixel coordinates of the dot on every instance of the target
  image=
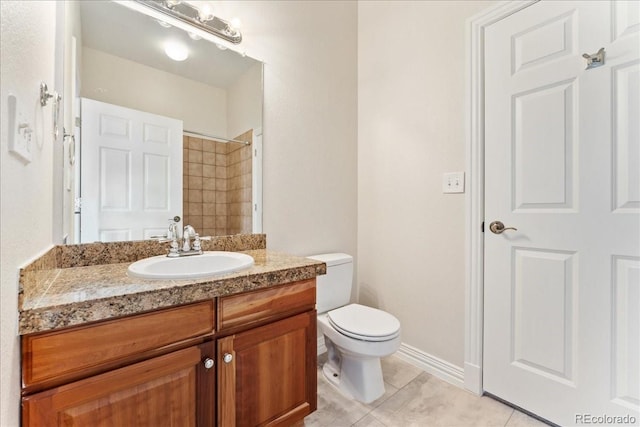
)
(176, 51)
(236, 23)
(205, 14)
(233, 27)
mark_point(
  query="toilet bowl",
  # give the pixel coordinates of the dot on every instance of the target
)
(356, 336)
(353, 364)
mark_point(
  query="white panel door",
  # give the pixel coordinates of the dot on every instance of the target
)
(562, 155)
(131, 172)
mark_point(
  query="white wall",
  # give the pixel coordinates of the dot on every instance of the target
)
(108, 78)
(26, 58)
(411, 92)
(244, 102)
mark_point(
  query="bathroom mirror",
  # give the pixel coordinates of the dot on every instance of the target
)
(122, 91)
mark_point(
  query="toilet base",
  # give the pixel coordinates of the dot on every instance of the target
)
(357, 377)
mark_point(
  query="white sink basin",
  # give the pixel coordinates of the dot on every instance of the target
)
(208, 264)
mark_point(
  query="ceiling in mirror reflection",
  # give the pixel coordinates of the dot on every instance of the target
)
(117, 30)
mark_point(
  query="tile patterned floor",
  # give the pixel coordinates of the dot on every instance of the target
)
(413, 398)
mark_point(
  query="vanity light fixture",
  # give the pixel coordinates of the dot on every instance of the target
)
(201, 18)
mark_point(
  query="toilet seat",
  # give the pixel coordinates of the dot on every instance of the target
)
(364, 323)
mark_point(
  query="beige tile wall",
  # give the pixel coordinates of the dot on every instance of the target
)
(239, 186)
(217, 186)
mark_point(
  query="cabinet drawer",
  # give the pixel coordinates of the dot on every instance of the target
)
(81, 350)
(249, 308)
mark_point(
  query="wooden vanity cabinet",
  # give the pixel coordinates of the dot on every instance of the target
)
(267, 373)
(254, 364)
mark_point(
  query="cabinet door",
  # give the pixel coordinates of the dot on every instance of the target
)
(174, 389)
(267, 375)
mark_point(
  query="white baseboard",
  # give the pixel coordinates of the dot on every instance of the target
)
(437, 367)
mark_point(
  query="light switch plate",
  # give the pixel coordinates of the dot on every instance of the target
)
(453, 182)
(19, 132)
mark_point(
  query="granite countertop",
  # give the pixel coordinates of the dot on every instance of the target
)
(52, 298)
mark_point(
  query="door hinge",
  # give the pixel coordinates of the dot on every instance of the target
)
(77, 204)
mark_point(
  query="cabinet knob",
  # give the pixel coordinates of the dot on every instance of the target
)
(208, 363)
(227, 358)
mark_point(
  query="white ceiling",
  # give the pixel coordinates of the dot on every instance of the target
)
(122, 32)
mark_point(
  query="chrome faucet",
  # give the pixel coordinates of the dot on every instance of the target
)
(181, 245)
(187, 234)
(187, 248)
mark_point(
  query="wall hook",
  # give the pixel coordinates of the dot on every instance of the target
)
(44, 94)
(594, 60)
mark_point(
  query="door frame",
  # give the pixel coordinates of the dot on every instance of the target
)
(474, 199)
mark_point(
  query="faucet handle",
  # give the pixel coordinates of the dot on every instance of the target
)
(173, 248)
(196, 243)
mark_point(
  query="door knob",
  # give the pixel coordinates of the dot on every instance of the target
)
(208, 363)
(227, 358)
(497, 227)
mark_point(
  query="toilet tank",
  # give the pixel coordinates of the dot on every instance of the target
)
(333, 289)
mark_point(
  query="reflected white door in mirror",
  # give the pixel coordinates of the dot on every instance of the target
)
(131, 173)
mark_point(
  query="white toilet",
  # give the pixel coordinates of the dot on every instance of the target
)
(356, 336)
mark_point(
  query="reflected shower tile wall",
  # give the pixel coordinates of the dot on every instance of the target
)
(239, 186)
(217, 186)
(201, 164)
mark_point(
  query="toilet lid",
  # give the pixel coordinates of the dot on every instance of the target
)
(364, 323)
